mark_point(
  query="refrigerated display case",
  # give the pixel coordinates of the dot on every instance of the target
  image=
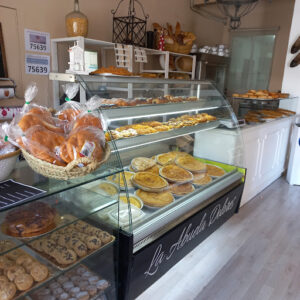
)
(159, 127)
(55, 246)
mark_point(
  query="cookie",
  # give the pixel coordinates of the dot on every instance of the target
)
(74, 291)
(37, 245)
(24, 259)
(86, 275)
(68, 285)
(83, 284)
(7, 291)
(3, 280)
(14, 271)
(62, 279)
(54, 285)
(66, 257)
(83, 296)
(76, 279)
(42, 293)
(48, 245)
(5, 263)
(80, 270)
(48, 297)
(105, 237)
(13, 255)
(92, 290)
(102, 284)
(93, 242)
(39, 272)
(23, 282)
(63, 240)
(30, 265)
(64, 296)
(93, 279)
(80, 248)
(57, 292)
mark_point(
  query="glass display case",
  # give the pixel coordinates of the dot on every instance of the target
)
(56, 246)
(181, 182)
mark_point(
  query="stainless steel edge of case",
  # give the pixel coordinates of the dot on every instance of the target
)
(162, 223)
(142, 140)
(156, 110)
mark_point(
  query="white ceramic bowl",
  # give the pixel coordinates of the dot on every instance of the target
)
(8, 163)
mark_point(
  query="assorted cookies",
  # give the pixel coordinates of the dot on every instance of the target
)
(80, 284)
(67, 245)
(19, 271)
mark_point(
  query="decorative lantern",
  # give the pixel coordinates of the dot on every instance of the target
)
(130, 29)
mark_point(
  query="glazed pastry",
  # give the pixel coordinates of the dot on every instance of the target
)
(140, 164)
(23, 282)
(7, 291)
(81, 138)
(39, 272)
(30, 219)
(44, 144)
(87, 121)
(14, 271)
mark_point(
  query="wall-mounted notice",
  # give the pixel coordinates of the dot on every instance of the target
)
(37, 41)
(37, 64)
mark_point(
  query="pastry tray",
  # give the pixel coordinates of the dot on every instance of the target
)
(51, 269)
(65, 267)
(100, 293)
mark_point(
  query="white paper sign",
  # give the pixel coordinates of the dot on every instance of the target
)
(37, 64)
(37, 41)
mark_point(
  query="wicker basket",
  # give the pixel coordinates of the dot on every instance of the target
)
(70, 171)
(177, 48)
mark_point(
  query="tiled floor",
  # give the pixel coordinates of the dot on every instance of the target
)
(254, 256)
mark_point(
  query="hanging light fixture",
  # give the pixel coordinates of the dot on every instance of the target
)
(236, 9)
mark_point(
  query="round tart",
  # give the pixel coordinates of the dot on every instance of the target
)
(181, 189)
(149, 181)
(31, 220)
(154, 170)
(202, 179)
(134, 200)
(155, 199)
(119, 180)
(108, 188)
(168, 158)
(214, 171)
(140, 164)
(190, 163)
(174, 173)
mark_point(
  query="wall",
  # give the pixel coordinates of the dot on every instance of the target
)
(291, 76)
(271, 14)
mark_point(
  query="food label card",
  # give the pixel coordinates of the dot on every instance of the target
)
(13, 193)
(37, 64)
(37, 41)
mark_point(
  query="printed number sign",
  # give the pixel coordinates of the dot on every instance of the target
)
(37, 64)
(37, 41)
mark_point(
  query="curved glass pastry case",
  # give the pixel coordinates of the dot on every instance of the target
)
(176, 167)
(55, 246)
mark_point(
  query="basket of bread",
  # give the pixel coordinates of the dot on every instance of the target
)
(68, 144)
(178, 41)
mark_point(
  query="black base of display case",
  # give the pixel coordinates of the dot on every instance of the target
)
(140, 270)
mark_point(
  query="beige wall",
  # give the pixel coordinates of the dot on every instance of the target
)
(277, 13)
(48, 15)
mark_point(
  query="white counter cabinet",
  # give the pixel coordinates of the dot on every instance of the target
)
(265, 151)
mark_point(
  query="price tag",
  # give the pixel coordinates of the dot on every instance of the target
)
(37, 41)
(140, 55)
(37, 64)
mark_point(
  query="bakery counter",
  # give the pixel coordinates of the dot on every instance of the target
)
(264, 147)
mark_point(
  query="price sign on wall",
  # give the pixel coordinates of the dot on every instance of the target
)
(37, 64)
(37, 41)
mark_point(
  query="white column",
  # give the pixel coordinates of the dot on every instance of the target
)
(291, 77)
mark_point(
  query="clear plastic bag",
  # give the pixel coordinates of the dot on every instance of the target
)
(91, 116)
(70, 109)
(5, 145)
(84, 142)
(44, 144)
